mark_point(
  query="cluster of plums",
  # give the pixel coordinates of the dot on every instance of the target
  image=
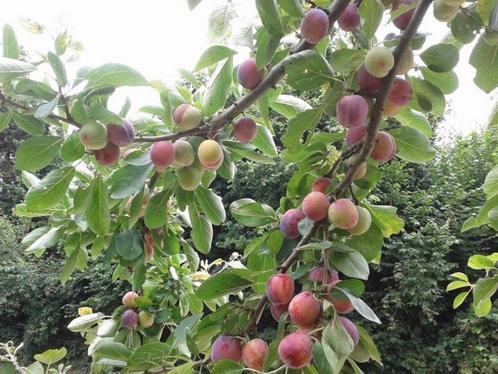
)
(105, 141)
(304, 311)
(130, 319)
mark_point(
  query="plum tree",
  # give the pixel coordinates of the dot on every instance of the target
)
(443, 11)
(108, 155)
(405, 62)
(402, 21)
(145, 319)
(343, 214)
(349, 19)
(364, 221)
(248, 74)
(289, 223)
(245, 129)
(315, 25)
(187, 117)
(321, 184)
(280, 289)
(189, 178)
(315, 206)
(351, 328)
(122, 134)
(129, 319)
(400, 93)
(210, 154)
(162, 154)
(367, 82)
(379, 61)
(254, 353)
(226, 348)
(93, 136)
(295, 350)
(352, 111)
(276, 311)
(129, 299)
(384, 148)
(304, 309)
(184, 153)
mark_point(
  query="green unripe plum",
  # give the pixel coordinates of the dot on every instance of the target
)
(343, 214)
(226, 348)
(210, 154)
(315, 206)
(364, 222)
(145, 319)
(189, 178)
(93, 136)
(304, 309)
(444, 12)
(187, 117)
(184, 154)
(129, 299)
(295, 350)
(379, 61)
(280, 289)
(405, 63)
(254, 353)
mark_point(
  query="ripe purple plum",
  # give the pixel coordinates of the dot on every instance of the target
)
(254, 353)
(129, 299)
(184, 153)
(351, 328)
(315, 206)
(295, 350)
(187, 117)
(321, 184)
(341, 303)
(129, 319)
(248, 74)
(280, 289)
(402, 21)
(162, 154)
(145, 319)
(343, 214)
(315, 26)
(289, 223)
(317, 274)
(93, 136)
(304, 309)
(210, 154)
(277, 310)
(108, 155)
(356, 134)
(384, 148)
(364, 221)
(245, 130)
(226, 348)
(349, 19)
(379, 61)
(367, 81)
(400, 93)
(122, 134)
(352, 111)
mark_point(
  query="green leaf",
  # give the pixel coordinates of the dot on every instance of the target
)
(202, 231)
(50, 191)
(460, 276)
(416, 120)
(385, 218)
(412, 145)
(251, 213)
(292, 7)
(227, 282)
(428, 97)
(466, 25)
(213, 55)
(456, 285)
(62, 41)
(220, 21)
(10, 45)
(361, 307)
(51, 356)
(156, 214)
(347, 60)
(5, 119)
(267, 45)
(484, 9)
(493, 218)
(270, 17)
(58, 68)
(369, 344)
(441, 57)
(211, 205)
(227, 367)
(70, 265)
(128, 180)
(10, 68)
(185, 368)
(84, 322)
(98, 214)
(289, 106)
(72, 149)
(371, 12)
(113, 350)
(218, 88)
(44, 110)
(320, 359)
(368, 244)
(193, 3)
(37, 243)
(114, 75)
(480, 262)
(491, 183)
(352, 264)
(149, 356)
(304, 121)
(307, 70)
(459, 299)
(128, 244)
(335, 336)
(243, 150)
(264, 142)
(446, 82)
(483, 308)
(28, 124)
(485, 288)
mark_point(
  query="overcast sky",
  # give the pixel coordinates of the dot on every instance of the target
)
(159, 37)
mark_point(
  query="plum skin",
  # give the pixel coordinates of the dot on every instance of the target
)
(210, 154)
(315, 25)
(189, 178)
(130, 299)
(349, 19)
(315, 206)
(321, 184)
(162, 154)
(367, 82)
(248, 74)
(226, 348)
(402, 21)
(129, 319)
(295, 350)
(384, 148)
(254, 353)
(400, 93)
(356, 134)
(379, 61)
(184, 153)
(245, 129)
(317, 274)
(304, 309)
(187, 117)
(289, 223)
(93, 136)
(364, 222)
(351, 329)
(280, 289)
(108, 155)
(343, 214)
(122, 134)
(277, 310)
(352, 111)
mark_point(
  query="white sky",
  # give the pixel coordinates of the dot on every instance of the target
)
(157, 37)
